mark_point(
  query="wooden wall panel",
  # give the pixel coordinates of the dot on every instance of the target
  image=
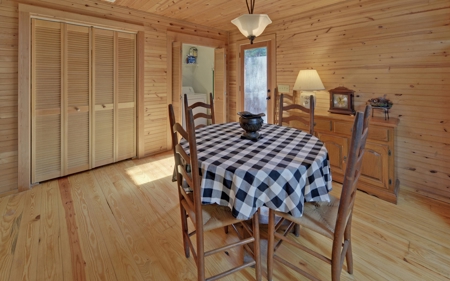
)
(378, 47)
(155, 72)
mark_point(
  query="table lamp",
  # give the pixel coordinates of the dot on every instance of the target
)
(308, 81)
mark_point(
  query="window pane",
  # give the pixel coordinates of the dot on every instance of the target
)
(255, 81)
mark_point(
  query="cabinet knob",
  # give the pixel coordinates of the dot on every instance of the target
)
(77, 108)
(103, 105)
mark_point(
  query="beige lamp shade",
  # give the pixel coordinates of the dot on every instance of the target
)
(252, 25)
(308, 81)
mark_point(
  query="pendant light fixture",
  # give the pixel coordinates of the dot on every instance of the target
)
(251, 25)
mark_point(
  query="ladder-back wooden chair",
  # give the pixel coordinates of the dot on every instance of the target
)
(198, 115)
(205, 217)
(332, 219)
(287, 104)
(291, 109)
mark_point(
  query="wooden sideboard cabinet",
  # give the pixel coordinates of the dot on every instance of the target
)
(378, 176)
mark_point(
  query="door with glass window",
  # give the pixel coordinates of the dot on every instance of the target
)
(256, 96)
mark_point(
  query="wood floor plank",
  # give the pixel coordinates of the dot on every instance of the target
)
(98, 265)
(107, 232)
(146, 258)
(78, 263)
(25, 258)
(9, 232)
(147, 189)
(127, 216)
(164, 191)
(148, 224)
(50, 257)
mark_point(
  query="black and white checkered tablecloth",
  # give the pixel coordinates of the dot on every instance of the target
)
(282, 170)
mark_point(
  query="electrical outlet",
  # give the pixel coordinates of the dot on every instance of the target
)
(283, 88)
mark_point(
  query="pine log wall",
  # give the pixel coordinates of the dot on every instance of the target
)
(155, 72)
(400, 49)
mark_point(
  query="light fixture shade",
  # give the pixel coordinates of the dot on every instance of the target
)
(252, 24)
(308, 80)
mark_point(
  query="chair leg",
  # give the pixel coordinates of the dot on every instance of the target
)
(200, 257)
(336, 261)
(184, 231)
(349, 255)
(336, 269)
(270, 244)
(297, 230)
(257, 246)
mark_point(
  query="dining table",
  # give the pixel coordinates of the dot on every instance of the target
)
(281, 170)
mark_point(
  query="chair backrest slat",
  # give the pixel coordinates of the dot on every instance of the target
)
(293, 110)
(209, 106)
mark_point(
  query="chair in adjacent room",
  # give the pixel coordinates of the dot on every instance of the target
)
(200, 105)
(293, 109)
(332, 219)
(205, 217)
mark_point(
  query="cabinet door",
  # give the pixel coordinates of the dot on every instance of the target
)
(126, 96)
(77, 98)
(337, 148)
(103, 97)
(46, 88)
(375, 165)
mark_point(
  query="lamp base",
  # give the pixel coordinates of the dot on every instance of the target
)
(304, 98)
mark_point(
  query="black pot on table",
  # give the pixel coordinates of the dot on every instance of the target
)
(251, 123)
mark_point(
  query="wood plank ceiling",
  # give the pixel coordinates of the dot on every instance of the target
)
(219, 13)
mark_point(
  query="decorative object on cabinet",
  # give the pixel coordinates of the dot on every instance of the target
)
(381, 103)
(341, 101)
(378, 177)
(307, 81)
(251, 25)
(251, 123)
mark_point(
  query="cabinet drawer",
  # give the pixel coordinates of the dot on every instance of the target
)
(375, 132)
(343, 127)
(378, 133)
(322, 125)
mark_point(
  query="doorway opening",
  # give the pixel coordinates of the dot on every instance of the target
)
(197, 76)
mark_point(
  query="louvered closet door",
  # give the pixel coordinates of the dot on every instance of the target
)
(77, 93)
(46, 100)
(126, 96)
(103, 97)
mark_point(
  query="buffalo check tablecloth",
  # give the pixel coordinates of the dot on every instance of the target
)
(281, 170)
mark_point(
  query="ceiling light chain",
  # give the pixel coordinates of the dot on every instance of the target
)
(251, 7)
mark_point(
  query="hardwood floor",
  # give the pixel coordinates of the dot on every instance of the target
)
(121, 222)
